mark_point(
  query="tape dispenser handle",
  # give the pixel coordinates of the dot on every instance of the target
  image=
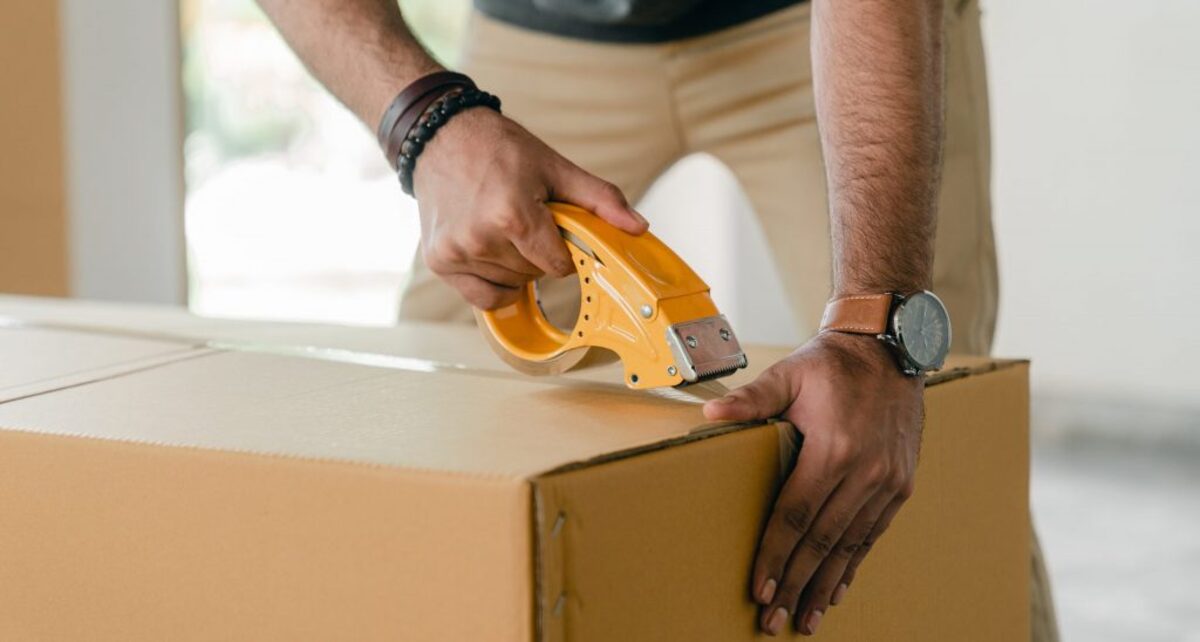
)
(520, 331)
(630, 289)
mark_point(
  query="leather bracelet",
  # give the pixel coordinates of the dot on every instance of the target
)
(437, 115)
(408, 105)
(409, 119)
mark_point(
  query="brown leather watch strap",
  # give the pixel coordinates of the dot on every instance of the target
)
(859, 314)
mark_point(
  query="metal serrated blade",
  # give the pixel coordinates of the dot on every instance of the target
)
(705, 348)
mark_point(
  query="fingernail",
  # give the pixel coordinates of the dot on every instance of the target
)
(813, 621)
(638, 216)
(767, 592)
(778, 619)
(723, 400)
(838, 594)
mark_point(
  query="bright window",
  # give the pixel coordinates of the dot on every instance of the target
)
(291, 211)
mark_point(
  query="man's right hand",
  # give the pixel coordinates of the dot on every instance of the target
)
(482, 185)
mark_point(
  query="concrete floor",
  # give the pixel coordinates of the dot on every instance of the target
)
(1121, 531)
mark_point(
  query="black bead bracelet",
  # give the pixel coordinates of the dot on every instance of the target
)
(437, 115)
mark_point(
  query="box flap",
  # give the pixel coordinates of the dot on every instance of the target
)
(305, 407)
(37, 360)
(442, 345)
(431, 341)
(374, 404)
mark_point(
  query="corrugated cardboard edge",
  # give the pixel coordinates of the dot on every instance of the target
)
(376, 360)
(544, 554)
(114, 509)
(550, 581)
(944, 376)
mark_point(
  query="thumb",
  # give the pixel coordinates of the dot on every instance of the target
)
(573, 185)
(769, 395)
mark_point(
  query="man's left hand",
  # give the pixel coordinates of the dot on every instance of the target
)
(861, 421)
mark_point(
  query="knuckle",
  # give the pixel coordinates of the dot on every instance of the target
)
(859, 541)
(436, 264)
(512, 223)
(906, 488)
(612, 191)
(477, 299)
(849, 548)
(879, 474)
(490, 298)
(444, 253)
(789, 593)
(473, 245)
(843, 453)
(819, 543)
(797, 517)
(560, 262)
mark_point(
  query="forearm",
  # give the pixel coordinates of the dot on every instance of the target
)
(360, 49)
(877, 76)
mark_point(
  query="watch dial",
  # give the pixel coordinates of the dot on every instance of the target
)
(923, 328)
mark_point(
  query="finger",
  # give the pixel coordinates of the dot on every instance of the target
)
(804, 493)
(510, 259)
(819, 540)
(819, 594)
(513, 263)
(484, 251)
(769, 395)
(482, 293)
(573, 185)
(496, 274)
(540, 243)
(881, 525)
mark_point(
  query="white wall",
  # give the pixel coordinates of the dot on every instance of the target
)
(1096, 130)
(1097, 186)
(721, 239)
(124, 155)
(1096, 142)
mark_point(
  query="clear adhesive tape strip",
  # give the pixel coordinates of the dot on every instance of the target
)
(355, 357)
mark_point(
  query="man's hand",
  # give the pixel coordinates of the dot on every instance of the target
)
(861, 421)
(482, 184)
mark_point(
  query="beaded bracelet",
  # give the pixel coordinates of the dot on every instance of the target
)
(410, 103)
(437, 115)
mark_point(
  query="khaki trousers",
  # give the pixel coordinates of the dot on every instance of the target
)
(744, 95)
(627, 112)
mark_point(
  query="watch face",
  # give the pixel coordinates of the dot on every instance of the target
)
(923, 330)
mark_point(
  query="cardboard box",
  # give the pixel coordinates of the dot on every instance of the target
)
(248, 491)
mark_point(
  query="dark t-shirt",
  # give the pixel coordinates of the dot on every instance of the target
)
(628, 20)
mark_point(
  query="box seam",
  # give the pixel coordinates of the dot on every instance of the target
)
(114, 371)
(332, 461)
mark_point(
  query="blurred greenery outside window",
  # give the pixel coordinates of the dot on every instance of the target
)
(291, 211)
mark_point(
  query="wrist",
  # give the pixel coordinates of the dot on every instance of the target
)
(410, 105)
(869, 358)
(876, 286)
(472, 131)
(867, 351)
(437, 114)
(915, 327)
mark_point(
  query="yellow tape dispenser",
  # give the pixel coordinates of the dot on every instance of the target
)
(638, 299)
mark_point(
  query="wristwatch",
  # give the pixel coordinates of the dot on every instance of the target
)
(915, 326)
